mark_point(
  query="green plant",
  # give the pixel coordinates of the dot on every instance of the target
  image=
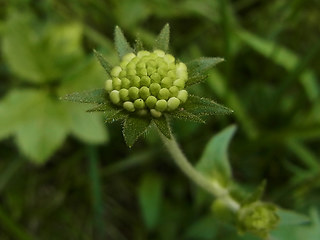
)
(148, 89)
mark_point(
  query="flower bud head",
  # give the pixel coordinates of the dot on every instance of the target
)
(148, 83)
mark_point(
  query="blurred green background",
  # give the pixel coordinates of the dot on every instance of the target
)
(64, 174)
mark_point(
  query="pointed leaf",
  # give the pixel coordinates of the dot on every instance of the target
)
(163, 125)
(205, 106)
(133, 128)
(113, 115)
(104, 63)
(201, 65)
(102, 107)
(196, 79)
(214, 161)
(257, 194)
(150, 193)
(291, 218)
(185, 115)
(162, 41)
(93, 96)
(121, 43)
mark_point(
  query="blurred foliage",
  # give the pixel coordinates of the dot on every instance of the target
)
(87, 191)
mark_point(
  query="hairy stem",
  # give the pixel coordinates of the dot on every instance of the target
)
(213, 187)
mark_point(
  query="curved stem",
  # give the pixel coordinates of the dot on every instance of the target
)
(213, 187)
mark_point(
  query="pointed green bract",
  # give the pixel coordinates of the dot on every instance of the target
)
(196, 79)
(133, 128)
(103, 62)
(138, 46)
(204, 106)
(163, 125)
(185, 115)
(257, 194)
(113, 115)
(214, 161)
(102, 107)
(162, 41)
(121, 43)
(201, 65)
(93, 96)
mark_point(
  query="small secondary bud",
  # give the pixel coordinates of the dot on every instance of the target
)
(155, 88)
(124, 94)
(116, 83)
(115, 71)
(125, 83)
(145, 81)
(155, 113)
(151, 101)
(163, 93)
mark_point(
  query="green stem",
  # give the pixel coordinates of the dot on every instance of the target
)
(213, 187)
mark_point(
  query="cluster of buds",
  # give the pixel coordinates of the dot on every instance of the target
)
(149, 82)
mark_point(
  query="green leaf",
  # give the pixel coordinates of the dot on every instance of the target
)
(103, 62)
(113, 115)
(196, 79)
(15, 107)
(200, 66)
(162, 41)
(214, 161)
(93, 96)
(39, 137)
(257, 194)
(204, 106)
(87, 127)
(291, 218)
(163, 125)
(102, 107)
(121, 43)
(150, 198)
(133, 128)
(185, 115)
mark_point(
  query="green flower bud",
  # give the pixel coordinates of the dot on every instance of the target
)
(139, 103)
(133, 93)
(258, 218)
(143, 53)
(122, 74)
(183, 96)
(155, 113)
(124, 94)
(148, 81)
(144, 92)
(159, 53)
(129, 106)
(128, 57)
(166, 82)
(155, 88)
(116, 83)
(163, 93)
(108, 85)
(180, 83)
(155, 77)
(173, 103)
(135, 81)
(125, 83)
(116, 71)
(151, 101)
(145, 81)
(161, 105)
(114, 96)
(174, 90)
